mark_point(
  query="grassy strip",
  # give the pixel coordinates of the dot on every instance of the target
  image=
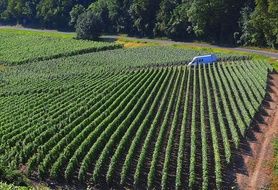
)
(214, 50)
(222, 51)
(127, 43)
(262, 49)
(274, 182)
(44, 33)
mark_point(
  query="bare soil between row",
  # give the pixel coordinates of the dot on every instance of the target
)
(254, 162)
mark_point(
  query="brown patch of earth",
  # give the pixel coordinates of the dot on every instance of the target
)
(134, 45)
(254, 167)
(2, 67)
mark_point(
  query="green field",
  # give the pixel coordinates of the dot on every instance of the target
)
(20, 46)
(128, 118)
(4, 186)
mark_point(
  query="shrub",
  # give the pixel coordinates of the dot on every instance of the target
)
(89, 26)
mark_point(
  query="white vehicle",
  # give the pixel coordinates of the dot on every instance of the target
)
(205, 59)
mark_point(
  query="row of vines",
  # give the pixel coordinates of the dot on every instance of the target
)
(170, 127)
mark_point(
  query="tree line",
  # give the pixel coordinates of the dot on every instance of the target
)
(244, 22)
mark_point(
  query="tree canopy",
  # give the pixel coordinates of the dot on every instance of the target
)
(245, 22)
(89, 26)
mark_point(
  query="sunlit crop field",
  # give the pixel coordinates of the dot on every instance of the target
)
(23, 46)
(128, 118)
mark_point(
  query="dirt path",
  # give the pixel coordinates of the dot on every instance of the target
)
(258, 160)
(170, 42)
(167, 42)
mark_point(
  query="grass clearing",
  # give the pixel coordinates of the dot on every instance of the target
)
(211, 50)
(134, 43)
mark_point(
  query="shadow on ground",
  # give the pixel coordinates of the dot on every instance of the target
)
(258, 124)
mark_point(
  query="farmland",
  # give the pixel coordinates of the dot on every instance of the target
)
(95, 114)
(6, 186)
(23, 46)
(128, 117)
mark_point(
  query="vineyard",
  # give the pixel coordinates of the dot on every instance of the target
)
(99, 119)
(18, 47)
(12, 187)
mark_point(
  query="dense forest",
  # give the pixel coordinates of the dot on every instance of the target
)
(239, 22)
